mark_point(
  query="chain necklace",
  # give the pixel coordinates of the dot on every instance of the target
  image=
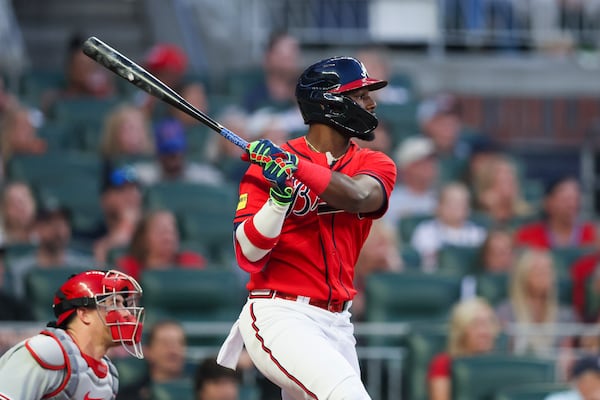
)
(330, 158)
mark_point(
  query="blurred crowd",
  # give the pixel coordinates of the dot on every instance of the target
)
(459, 191)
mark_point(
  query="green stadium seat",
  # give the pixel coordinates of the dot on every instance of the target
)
(458, 260)
(424, 342)
(407, 225)
(35, 82)
(179, 390)
(410, 296)
(410, 257)
(40, 286)
(53, 167)
(531, 391)
(565, 257)
(493, 287)
(451, 169)
(211, 229)
(182, 197)
(401, 120)
(480, 377)
(131, 370)
(211, 294)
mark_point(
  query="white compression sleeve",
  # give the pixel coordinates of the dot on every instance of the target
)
(268, 221)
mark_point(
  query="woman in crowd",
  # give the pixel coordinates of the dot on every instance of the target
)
(473, 330)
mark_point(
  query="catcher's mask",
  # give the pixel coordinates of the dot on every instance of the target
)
(115, 295)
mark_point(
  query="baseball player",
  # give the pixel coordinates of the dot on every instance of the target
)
(95, 311)
(299, 238)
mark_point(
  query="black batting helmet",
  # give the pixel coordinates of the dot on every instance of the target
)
(320, 95)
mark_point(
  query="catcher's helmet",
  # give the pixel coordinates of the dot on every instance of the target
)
(114, 293)
(320, 95)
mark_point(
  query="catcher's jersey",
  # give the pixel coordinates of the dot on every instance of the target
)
(319, 245)
(51, 366)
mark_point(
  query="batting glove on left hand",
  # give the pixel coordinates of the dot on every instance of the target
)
(261, 152)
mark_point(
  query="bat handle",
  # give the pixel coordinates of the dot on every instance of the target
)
(233, 138)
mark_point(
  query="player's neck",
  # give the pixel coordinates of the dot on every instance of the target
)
(322, 139)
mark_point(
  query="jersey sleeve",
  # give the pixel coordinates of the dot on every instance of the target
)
(253, 192)
(21, 377)
(381, 167)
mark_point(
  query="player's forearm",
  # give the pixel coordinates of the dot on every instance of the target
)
(260, 233)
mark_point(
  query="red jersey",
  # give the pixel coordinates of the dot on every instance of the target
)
(581, 271)
(537, 234)
(319, 245)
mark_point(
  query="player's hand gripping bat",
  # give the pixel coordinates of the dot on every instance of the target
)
(138, 76)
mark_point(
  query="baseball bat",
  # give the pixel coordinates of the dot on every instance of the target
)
(113, 60)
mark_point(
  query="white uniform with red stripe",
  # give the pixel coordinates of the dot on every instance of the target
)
(51, 366)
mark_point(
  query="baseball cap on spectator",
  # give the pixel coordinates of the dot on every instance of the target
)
(437, 105)
(117, 177)
(166, 56)
(170, 137)
(414, 149)
(585, 364)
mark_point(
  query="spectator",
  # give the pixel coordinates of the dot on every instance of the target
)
(214, 382)
(83, 77)
(561, 225)
(18, 214)
(533, 299)
(155, 245)
(165, 354)
(126, 133)
(498, 194)
(121, 202)
(379, 253)
(171, 163)
(498, 252)
(53, 232)
(168, 62)
(473, 330)
(450, 226)
(415, 192)
(281, 67)
(19, 134)
(378, 63)
(585, 379)
(383, 140)
(440, 120)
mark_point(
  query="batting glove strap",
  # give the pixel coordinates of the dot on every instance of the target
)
(281, 197)
(262, 151)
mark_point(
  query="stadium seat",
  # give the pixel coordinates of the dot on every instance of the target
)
(565, 257)
(480, 377)
(425, 341)
(493, 287)
(131, 370)
(179, 390)
(410, 296)
(451, 169)
(458, 260)
(410, 257)
(182, 197)
(407, 225)
(401, 120)
(531, 391)
(213, 230)
(35, 82)
(40, 286)
(211, 294)
(51, 168)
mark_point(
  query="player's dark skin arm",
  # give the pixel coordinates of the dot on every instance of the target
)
(359, 194)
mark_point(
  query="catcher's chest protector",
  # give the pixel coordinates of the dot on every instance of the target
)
(80, 382)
